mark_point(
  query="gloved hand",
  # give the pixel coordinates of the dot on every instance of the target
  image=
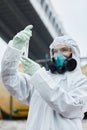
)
(22, 37)
(29, 66)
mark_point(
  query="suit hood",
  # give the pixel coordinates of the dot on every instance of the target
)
(69, 42)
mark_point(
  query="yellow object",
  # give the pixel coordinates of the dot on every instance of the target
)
(16, 105)
(84, 69)
(19, 110)
(20, 67)
(0, 115)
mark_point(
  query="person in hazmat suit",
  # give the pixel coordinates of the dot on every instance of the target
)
(58, 97)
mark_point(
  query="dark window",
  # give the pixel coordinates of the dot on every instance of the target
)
(50, 15)
(56, 26)
(60, 32)
(53, 20)
(46, 8)
(42, 1)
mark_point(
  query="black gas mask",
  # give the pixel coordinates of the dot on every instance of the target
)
(62, 64)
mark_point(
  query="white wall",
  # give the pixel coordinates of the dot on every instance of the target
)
(74, 18)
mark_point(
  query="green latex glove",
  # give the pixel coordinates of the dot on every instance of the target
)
(22, 38)
(29, 66)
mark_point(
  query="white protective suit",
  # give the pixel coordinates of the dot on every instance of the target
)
(57, 101)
